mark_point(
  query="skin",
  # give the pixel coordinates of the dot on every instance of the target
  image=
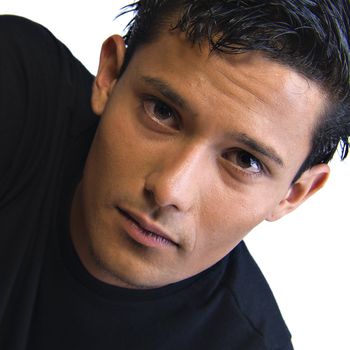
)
(184, 162)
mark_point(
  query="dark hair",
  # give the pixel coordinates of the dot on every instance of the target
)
(312, 37)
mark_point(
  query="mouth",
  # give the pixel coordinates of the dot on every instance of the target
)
(144, 232)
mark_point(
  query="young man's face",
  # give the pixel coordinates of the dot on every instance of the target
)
(196, 148)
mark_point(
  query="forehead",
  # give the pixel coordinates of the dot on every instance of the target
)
(248, 92)
(171, 52)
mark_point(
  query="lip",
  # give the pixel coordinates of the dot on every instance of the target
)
(144, 231)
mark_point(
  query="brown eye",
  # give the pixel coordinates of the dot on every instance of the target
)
(161, 113)
(245, 161)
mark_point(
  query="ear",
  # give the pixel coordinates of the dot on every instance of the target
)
(111, 61)
(309, 183)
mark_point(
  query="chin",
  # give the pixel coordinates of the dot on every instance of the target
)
(123, 269)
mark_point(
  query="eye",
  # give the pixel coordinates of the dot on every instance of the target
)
(161, 112)
(244, 161)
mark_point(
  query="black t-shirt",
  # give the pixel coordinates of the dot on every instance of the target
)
(47, 298)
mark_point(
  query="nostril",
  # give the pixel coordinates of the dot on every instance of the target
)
(174, 180)
(162, 190)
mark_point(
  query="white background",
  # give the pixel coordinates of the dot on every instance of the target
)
(305, 256)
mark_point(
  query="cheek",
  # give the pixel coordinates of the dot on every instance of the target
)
(117, 147)
(228, 215)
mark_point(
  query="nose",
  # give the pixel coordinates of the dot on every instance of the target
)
(177, 178)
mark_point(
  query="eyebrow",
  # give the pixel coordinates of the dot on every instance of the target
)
(166, 91)
(258, 147)
(175, 98)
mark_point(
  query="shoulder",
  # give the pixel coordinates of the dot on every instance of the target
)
(13, 23)
(255, 299)
(38, 71)
(32, 60)
(21, 36)
(29, 50)
(44, 94)
(20, 30)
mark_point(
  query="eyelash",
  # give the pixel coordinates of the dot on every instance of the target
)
(152, 99)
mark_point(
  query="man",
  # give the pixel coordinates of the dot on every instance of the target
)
(122, 227)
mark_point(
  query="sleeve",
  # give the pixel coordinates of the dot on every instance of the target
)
(12, 91)
(44, 106)
(44, 91)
